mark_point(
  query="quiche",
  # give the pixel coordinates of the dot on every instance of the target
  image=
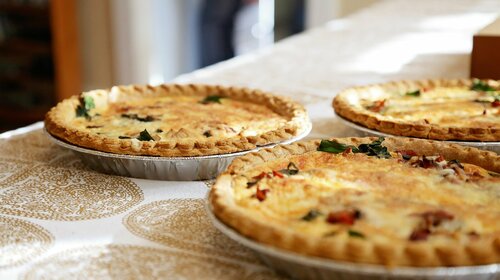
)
(392, 202)
(435, 109)
(174, 120)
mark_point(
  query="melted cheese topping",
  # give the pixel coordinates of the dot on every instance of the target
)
(392, 198)
(179, 117)
(450, 106)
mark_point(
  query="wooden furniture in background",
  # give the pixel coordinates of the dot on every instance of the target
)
(66, 48)
(39, 58)
(485, 58)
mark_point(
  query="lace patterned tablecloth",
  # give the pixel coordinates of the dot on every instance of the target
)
(59, 219)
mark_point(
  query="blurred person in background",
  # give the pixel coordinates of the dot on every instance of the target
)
(216, 30)
(231, 27)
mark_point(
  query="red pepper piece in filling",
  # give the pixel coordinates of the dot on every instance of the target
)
(346, 217)
(347, 151)
(261, 194)
(262, 175)
(426, 163)
(420, 234)
(431, 219)
(495, 103)
(377, 106)
(277, 174)
(407, 154)
(434, 218)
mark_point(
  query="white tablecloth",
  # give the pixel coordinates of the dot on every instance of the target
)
(60, 220)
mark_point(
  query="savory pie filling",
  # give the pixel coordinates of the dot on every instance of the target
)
(176, 120)
(370, 193)
(178, 117)
(463, 109)
(478, 105)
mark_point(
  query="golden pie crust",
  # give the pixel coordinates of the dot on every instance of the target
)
(392, 198)
(178, 118)
(443, 109)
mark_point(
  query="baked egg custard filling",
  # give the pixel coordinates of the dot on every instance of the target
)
(385, 196)
(180, 117)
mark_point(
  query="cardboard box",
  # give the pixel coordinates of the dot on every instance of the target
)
(485, 58)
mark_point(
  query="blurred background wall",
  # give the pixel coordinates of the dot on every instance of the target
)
(153, 41)
(53, 49)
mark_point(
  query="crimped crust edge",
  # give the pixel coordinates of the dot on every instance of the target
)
(411, 129)
(482, 251)
(298, 121)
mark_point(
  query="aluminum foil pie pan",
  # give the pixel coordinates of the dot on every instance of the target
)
(364, 131)
(161, 168)
(306, 267)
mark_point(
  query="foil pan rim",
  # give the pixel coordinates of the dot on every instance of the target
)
(357, 268)
(378, 133)
(76, 148)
